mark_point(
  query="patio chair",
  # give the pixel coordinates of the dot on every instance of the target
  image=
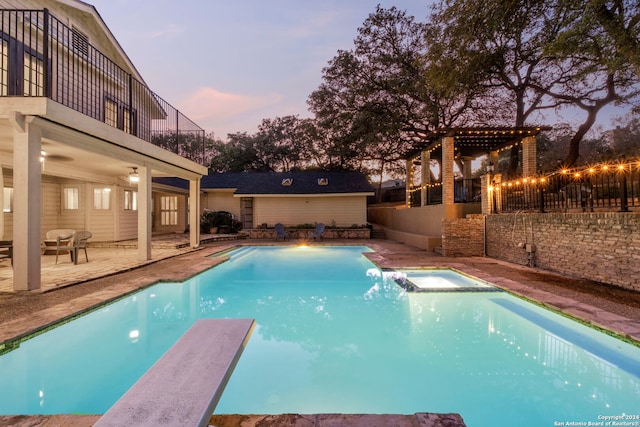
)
(317, 233)
(80, 243)
(6, 250)
(59, 240)
(281, 233)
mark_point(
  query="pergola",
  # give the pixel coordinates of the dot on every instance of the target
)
(463, 145)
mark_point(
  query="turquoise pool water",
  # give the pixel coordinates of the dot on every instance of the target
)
(336, 334)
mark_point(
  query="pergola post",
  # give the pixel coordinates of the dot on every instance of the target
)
(529, 163)
(409, 183)
(425, 178)
(448, 183)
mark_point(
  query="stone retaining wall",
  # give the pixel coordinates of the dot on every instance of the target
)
(604, 247)
(307, 234)
(463, 236)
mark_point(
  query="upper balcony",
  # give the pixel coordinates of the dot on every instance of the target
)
(41, 56)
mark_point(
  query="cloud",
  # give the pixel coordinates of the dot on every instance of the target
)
(168, 32)
(210, 107)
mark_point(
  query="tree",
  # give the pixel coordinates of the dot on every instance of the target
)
(374, 102)
(534, 51)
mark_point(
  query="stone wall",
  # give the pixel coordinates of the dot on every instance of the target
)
(604, 247)
(463, 236)
(306, 234)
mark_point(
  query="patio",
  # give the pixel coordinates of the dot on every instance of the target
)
(105, 258)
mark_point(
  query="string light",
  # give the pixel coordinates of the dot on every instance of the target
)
(576, 173)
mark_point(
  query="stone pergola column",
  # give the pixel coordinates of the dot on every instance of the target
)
(409, 167)
(447, 170)
(529, 163)
(425, 179)
(144, 213)
(27, 184)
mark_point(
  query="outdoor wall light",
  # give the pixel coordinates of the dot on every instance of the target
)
(134, 178)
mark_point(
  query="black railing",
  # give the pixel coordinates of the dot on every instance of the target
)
(41, 56)
(605, 187)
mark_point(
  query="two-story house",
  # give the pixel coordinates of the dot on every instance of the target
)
(81, 136)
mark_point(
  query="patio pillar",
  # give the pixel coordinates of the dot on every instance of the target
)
(529, 164)
(447, 171)
(425, 178)
(194, 212)
(144, 213)
(27, 185)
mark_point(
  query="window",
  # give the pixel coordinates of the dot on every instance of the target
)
(101, 198)
(111, 112)
(70, 196)
(130, 200)
(4, 68)
(8, 200)
(117, 114)
(33, 75)
(169, 210)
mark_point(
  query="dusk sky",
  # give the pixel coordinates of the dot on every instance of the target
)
(228, 65)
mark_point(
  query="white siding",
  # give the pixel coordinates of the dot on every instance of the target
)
(341, 211)
(221, 201)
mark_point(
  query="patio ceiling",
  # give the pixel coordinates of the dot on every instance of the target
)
(474, 141)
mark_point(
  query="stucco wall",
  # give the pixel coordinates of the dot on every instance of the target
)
(604, 247)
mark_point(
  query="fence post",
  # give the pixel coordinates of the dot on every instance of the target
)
(541, 198)
(624, 202)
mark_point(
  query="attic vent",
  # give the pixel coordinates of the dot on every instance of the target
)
(287, 182)
(323, 181)
(80, 42)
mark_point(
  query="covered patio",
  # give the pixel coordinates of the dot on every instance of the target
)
(105, 259)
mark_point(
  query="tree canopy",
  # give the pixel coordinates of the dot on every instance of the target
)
(470, 63)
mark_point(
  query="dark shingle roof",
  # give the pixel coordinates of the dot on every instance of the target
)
(302, 182)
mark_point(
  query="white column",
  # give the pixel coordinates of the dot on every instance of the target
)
(27, 189)
(194, 212)
(144, 213)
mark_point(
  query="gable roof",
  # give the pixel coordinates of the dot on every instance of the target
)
(264, 183)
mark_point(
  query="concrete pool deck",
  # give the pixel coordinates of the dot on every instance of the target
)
(605, 307)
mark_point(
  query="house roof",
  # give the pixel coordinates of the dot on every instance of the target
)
(281, 183)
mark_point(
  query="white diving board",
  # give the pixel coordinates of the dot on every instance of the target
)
(184, 386)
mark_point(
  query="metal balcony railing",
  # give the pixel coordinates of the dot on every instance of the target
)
(41, 56)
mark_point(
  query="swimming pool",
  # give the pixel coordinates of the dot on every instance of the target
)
(336, 334)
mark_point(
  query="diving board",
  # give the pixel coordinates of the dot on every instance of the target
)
(184, 386)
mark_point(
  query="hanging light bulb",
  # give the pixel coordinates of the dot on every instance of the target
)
(134, 178)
